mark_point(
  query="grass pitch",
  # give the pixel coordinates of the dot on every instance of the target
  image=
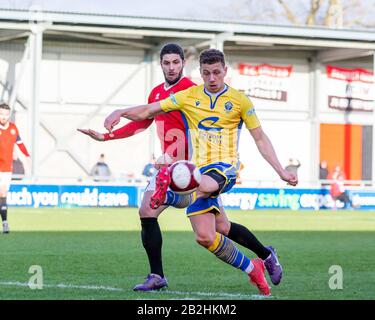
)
(97, 254)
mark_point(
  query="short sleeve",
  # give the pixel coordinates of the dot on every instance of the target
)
(151, 97)
(248, 114)
(18, 139)
(175, 101)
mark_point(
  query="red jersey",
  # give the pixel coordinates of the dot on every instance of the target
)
(9, 136)
(170, 126)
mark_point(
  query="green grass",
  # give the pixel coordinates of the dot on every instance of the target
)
(102, 247)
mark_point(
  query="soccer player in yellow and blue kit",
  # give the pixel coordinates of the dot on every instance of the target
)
(214, 114)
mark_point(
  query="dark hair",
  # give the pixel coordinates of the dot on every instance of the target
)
(211, 56)
(4, 106)
(172, 48)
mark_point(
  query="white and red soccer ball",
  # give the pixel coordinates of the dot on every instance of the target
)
(185, 177)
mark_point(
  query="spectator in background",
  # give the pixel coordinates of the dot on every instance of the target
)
(149, 169)
(337, 172)
(323, 172)
(338, 191)
(101, 171)
(293, 166)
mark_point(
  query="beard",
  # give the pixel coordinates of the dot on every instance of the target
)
(174, 81)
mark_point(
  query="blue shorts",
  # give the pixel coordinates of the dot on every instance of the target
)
(211, 204)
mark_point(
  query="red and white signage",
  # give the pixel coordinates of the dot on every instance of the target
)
(265, 81)
(350, 89)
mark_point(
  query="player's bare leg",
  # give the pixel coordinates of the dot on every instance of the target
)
(243, 236)
(224, 249)
(152, 242)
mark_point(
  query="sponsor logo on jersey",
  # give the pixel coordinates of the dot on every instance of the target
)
(157, 97)
(228, 106)
(173, 98)
(207, 124)
(250, 112)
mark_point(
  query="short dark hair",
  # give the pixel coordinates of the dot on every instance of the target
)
(172, 48)
(4, 106)
(211, 56)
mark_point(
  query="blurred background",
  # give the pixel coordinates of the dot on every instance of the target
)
(307, 66)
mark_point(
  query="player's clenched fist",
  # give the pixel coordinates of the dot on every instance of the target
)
(289, 177)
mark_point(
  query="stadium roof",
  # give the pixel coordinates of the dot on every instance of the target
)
(118, 20)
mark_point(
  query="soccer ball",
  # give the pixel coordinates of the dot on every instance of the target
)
(185, 177)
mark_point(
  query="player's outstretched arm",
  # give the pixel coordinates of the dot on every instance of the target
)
(92, 134)
(128, 130)
(125, 131)
(268, 152)
(137, 113)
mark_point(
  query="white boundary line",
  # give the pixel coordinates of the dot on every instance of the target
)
(217, 294)
(221, 295)
(60, 286)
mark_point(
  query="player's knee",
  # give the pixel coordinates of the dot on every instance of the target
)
(206, 189)
(208, 185)
(146, 212)
(223, 227)
(205, 240)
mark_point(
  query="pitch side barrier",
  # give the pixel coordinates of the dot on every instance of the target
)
(240, 198)
(43, 195)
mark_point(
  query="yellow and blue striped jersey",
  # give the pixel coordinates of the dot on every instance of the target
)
(213, 122)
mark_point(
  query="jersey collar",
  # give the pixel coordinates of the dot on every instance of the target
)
(4, 127)
(166, 88)
(215, 96)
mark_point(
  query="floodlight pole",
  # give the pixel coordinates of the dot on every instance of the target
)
(149, 79)
(218, 45)
(18, 80)
(373, 124)
(314, 93)
(36, 47)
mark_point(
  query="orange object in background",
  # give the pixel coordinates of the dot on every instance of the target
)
(341, 144)
(355, 164)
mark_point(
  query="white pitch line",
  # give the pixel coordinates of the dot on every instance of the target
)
(106, 288)
(217, 294)
(62, 286)
(14, 283)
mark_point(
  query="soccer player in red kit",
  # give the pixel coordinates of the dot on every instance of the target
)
(9, 136)
(171, 131)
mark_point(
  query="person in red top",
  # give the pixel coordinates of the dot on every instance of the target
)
(172, 134)
(9, 136)
(337, 189)
(170, 127)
